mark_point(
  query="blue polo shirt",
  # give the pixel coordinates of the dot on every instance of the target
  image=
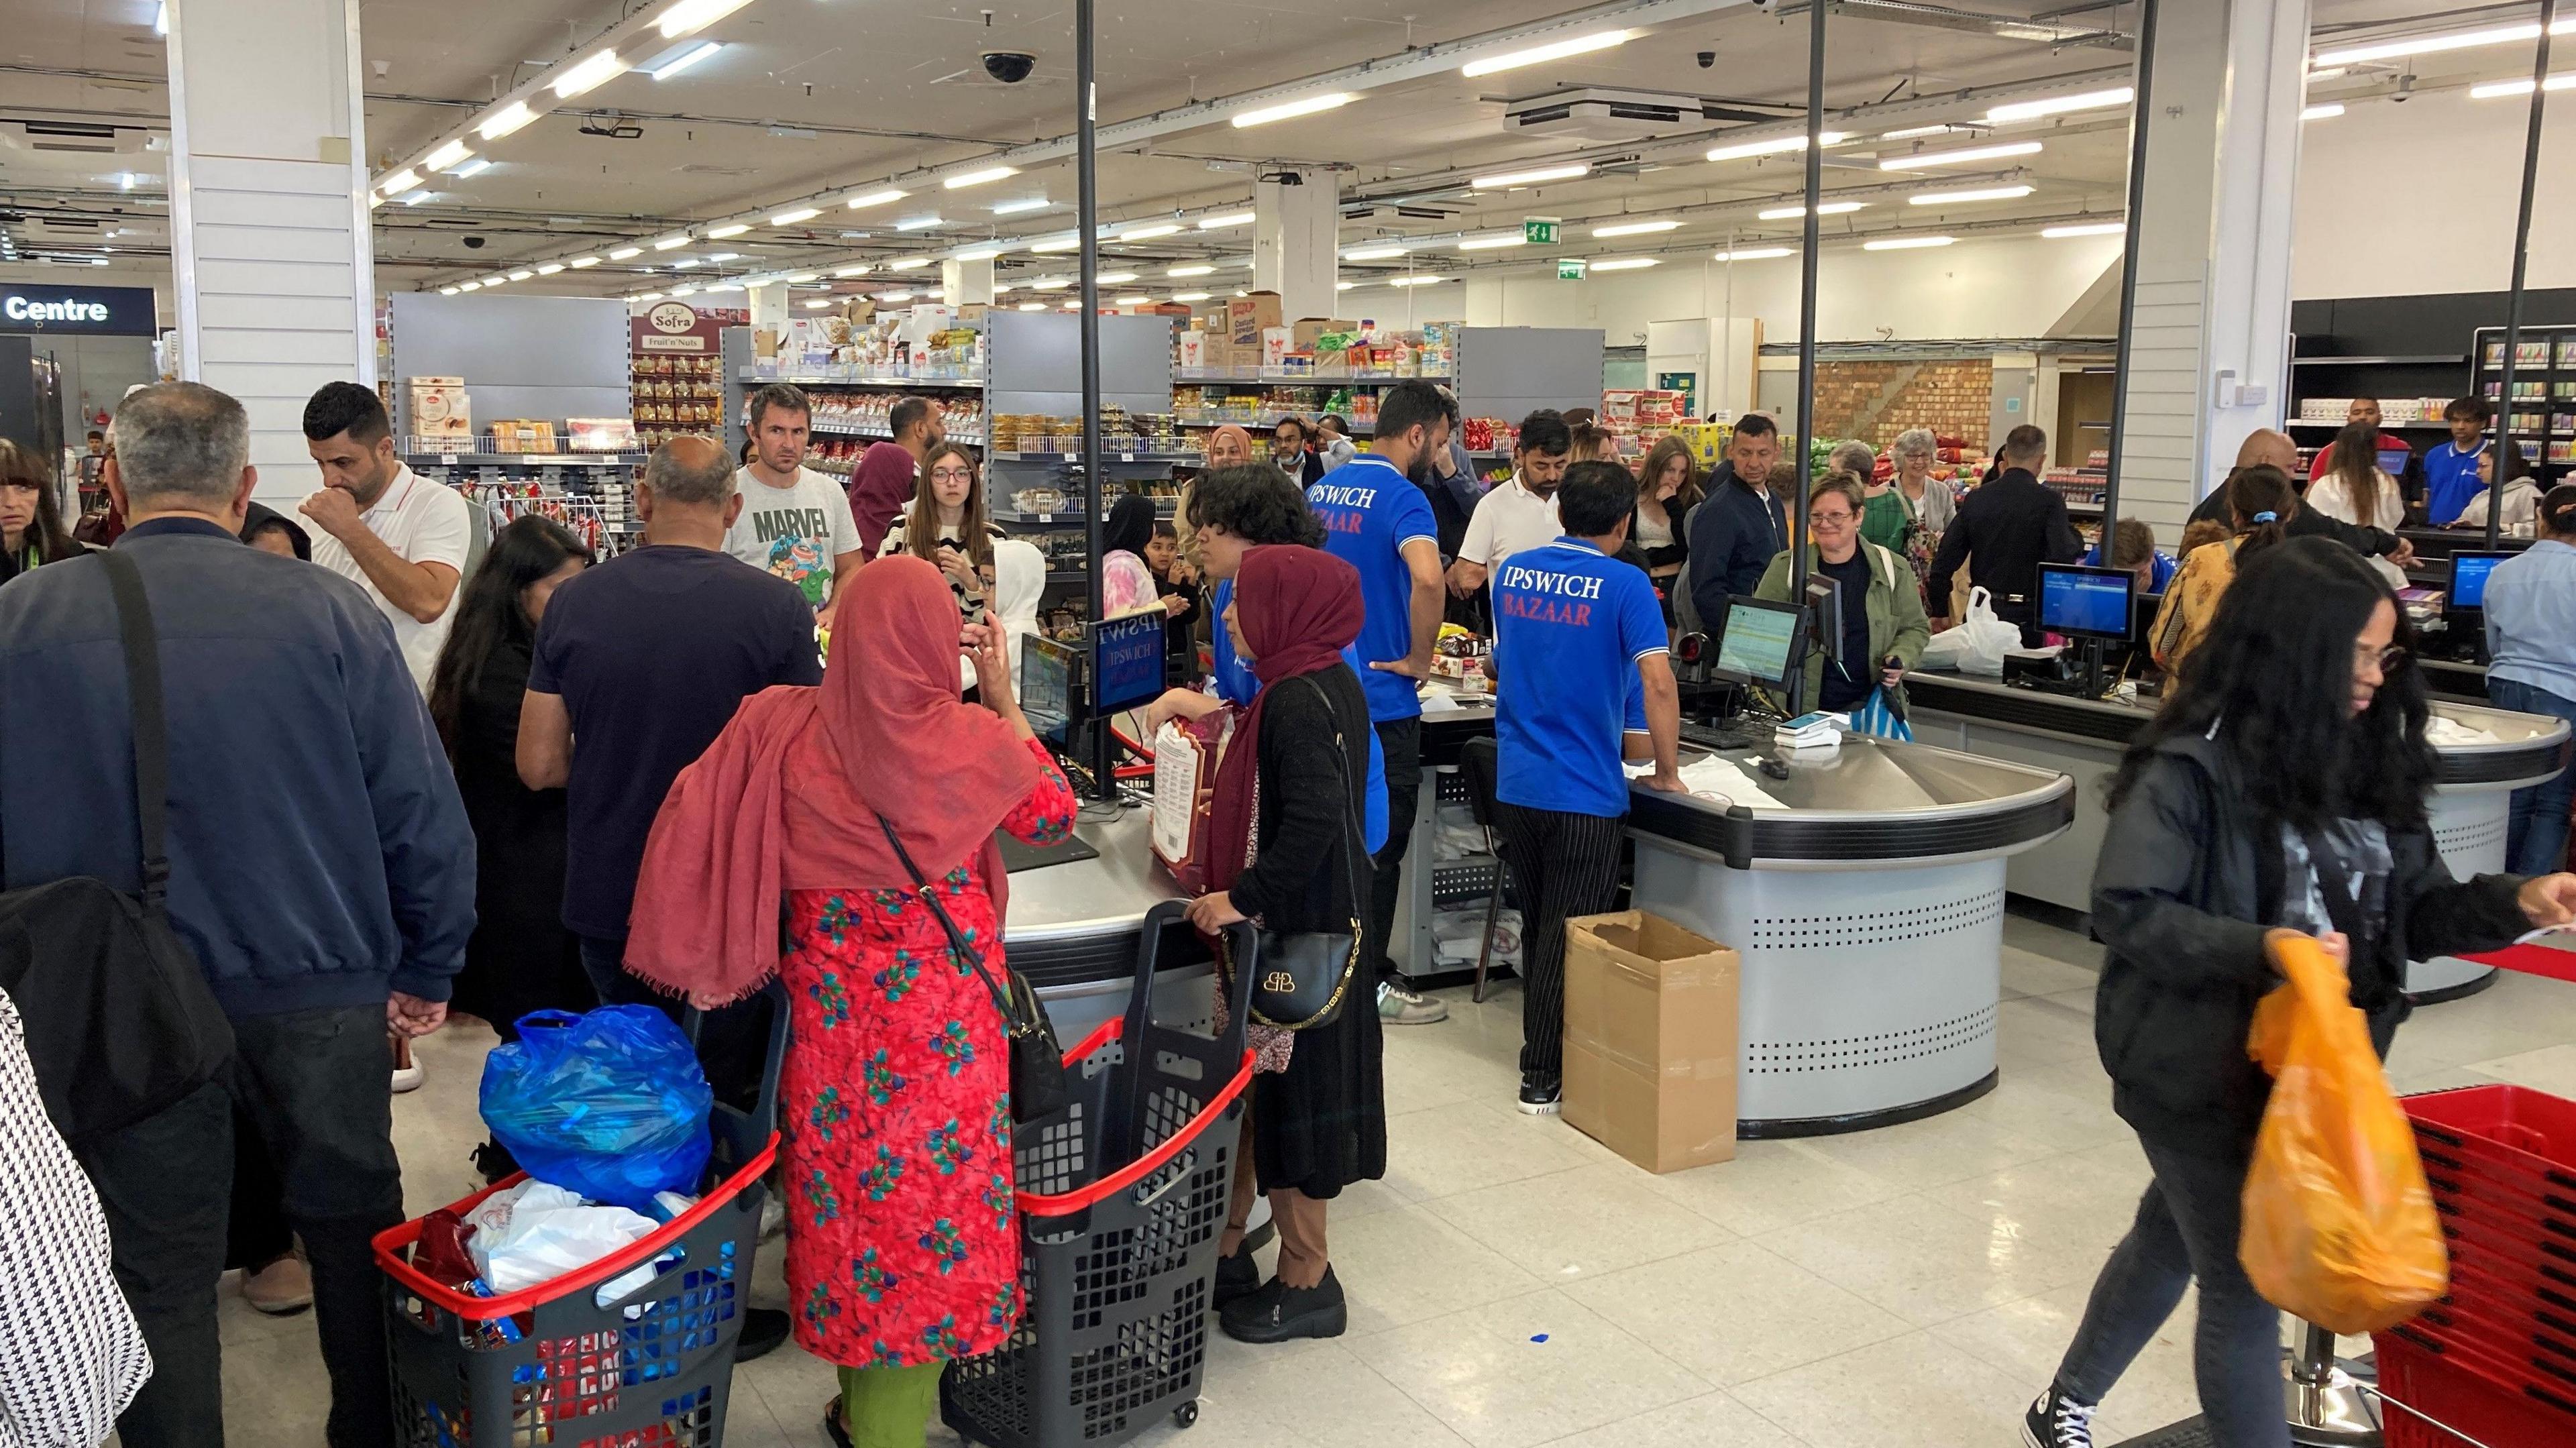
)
(1370, 511)
(1236, 684)
(2164, 570)
(2450, 480)
(1570, 624)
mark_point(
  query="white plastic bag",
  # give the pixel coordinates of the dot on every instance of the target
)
(535, 1233)
(1978, 644)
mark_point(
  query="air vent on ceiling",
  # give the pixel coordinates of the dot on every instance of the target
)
(78, 136)
(704, 168)
(1596, 113)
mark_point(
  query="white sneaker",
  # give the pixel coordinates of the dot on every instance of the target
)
(408, 1078)
(1397, 1006)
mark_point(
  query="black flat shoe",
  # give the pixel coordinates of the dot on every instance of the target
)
(1277, 1312)
(763, 1329)
(832, 1428)
(1237, 1277)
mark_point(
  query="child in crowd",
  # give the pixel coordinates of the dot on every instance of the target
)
(1180, 590)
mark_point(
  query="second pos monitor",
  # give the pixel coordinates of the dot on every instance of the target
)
(1118, 666)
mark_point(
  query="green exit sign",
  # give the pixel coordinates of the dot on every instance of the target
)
(1569, 268)
(1539, 232)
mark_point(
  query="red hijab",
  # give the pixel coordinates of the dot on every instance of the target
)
(787, 798)
(1298, 609)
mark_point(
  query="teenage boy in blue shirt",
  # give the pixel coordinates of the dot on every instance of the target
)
(2451, 470)
(1573, 625)
(1377, 517)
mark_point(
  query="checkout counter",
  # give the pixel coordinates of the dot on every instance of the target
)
(1074, 929)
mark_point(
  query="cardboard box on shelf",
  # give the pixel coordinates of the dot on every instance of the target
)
(439, 408)
(1194, 350)
(1276, 344)
(1246, 317)
(1650, 1028)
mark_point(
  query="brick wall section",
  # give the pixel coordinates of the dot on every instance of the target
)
(1954, 399)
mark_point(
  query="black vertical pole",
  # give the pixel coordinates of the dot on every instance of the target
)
(1807, 338)
(2129, 276)
(1087, 181)
(2513, 300)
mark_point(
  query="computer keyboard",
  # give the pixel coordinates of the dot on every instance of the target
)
(1740, 734)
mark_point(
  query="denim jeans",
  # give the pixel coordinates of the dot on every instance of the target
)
(2187, 1228)
(2535, 843)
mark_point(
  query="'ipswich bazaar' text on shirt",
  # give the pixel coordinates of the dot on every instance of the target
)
(1328, 495)
(1523, 581)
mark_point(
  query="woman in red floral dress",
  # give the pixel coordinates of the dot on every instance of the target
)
(902, 1241)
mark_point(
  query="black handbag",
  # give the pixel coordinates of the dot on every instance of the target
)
(1037, 1062)
(1301, 977)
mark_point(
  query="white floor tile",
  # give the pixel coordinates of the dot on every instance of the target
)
(1580, 1223)
(1913, 1392)
(1446, 1150)
(2065, 1106)
(1528, 1370)
(1947, 1148)
(1927, 1263)
(1774, 1184)
(2027, 1339)
(1736, 1312)
(1313, 1392)
(1714, 1421)
(1406, 1266)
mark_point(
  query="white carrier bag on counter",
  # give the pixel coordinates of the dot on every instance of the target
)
(1978, 644)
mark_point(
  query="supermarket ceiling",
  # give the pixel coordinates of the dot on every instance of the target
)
(765, 109)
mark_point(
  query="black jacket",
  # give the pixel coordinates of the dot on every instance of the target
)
(1313, 765)
(2004, 531)
(1731, 537)
(2188, 877)
(2309, 523)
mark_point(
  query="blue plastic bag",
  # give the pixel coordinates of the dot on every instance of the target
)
(611, 1104)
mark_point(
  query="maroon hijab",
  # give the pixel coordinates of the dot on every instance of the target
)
(1296, 609)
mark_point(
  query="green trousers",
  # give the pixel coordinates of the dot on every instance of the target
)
(887, 1407)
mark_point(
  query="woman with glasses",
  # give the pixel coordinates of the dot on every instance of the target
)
(948, 525)
(1882, 612)
(2282, 788)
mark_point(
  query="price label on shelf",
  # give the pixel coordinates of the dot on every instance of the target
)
(1046, 517)
(1126, 457)
(1073, 457)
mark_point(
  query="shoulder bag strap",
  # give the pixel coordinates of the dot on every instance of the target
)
(2329, 869)
(1355, 846)
(151, 733)
(956, 937)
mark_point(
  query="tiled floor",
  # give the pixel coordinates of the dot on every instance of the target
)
(1514, 1284)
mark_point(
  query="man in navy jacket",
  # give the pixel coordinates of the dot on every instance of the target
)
(1742, 525)
(321, 870)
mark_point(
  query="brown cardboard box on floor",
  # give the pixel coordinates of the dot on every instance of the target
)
(1650, 1022)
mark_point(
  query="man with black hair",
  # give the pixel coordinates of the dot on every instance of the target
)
(1288, 449)
(1333, 441)
(383, 527)
(888, 472)
(1377, 519)
(2004, 531)
(1742, 526)
(1573, 626)
(795, 523)
(1521, 513)
(2451, 470)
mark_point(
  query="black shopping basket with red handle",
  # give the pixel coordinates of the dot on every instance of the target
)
(555, 1365)
(1122, 1199)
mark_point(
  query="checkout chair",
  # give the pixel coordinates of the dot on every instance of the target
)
(1480, 764)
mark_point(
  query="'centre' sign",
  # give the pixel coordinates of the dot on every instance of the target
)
(80, 311)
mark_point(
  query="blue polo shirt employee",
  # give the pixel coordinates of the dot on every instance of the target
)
(1573, 625)
(1377, 518)
(2451, 470)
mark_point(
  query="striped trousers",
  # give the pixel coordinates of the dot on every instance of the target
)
(1562, 865)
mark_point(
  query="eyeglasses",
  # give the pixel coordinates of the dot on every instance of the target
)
(952, 475)
(1832, 520)
(2389, 659)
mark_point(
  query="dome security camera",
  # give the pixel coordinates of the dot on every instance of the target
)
(1010, 67)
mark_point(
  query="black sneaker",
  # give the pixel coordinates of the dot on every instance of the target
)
(1237, 1276)
(1276, 1312)
(493, 1162)
(2057, 1421)
(1541, 1092)
(763, 1329)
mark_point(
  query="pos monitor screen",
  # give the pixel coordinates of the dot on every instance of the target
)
(2469, 578)
(2087, 603)
(1758, 641)
(1121, 668)
(1050, 675)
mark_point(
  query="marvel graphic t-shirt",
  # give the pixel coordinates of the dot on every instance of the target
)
(1370, 511)
(795, 532)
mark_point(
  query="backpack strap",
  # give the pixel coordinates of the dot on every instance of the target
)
(151, 731)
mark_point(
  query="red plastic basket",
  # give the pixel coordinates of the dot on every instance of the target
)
(2530, 1128)
(2435, 1397)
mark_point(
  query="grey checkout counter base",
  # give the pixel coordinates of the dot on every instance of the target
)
(1073, 929)
(2084, 738)
(1868, 915)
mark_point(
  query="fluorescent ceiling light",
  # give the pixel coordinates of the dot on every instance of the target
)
(1826, 208)
(1344, 286)
(577, 263)
(1375, 253)
(2090, 228)
(894, 298)
(918, 223)
(475, 167)
(910, 263)
(1772, 147)
(1907, 243)
(1634, 228)
(2058, 105)
(1631, 263)
(724, 286)
(862, 269)
(1915, 133)
(1116, 279)
(668, 242)
(648, 296)
(1056, 244)
(2332, 72)
(447, 291)
(415, 198)
(981, 253)
(2431, 44)
(798, 279)
(724, 256)
(1188, 271)
(1220, 223)
(684, 291)
(999, 288)
(447, 157)
(494, 280)
(469, 286)
(1414, 281)
(2332, 109)
(1974, 193)
(1961, 158)
(978, 178)
(161, 18)
(1033, 306)
(1531, 177)
(1191, 296)
(1292, 109)
(684, 60)
(522, 274)
(1537, 54)
(684, 263)
(2497, 89)
(795, 215)
(1148, 233)
(877, 198)
(730, 228)
(1758, 253)
(1050, 284)
(1026, 203)
(690, 16)
(818, 304)
(589, 75)
(401, 181)
(505, 120)
(623, 253)
(1133, 302)
(1491, 243)
(550, 268)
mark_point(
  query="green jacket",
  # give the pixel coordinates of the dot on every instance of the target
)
(1896, 621)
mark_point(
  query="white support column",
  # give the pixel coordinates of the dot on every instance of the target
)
(2210, 347)
(769, 309)
(270, 241)
(1295, 230)
(967, 282)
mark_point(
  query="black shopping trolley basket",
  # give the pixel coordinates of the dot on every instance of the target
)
(557, 1365)
(1122, 1199)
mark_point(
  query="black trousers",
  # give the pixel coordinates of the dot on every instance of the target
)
(1563, 865)
(317, 1088)
(1400, 740)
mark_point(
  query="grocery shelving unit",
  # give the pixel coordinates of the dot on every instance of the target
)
(2542, 411)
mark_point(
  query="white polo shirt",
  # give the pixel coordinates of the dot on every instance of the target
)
(1507, 520)
(422, 522)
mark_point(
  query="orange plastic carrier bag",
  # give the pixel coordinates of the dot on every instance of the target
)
(2339, 1224)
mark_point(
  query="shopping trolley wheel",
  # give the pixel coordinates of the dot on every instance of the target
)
(1186, 1414)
